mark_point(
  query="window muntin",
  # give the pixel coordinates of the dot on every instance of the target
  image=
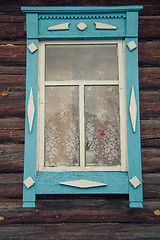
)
(117, 158)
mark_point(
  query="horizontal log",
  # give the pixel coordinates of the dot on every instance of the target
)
(11, 157)
(12, 55)
(149, 54)
(149, 78)
(95, 209)
(12, 123)
(14, 77)
(150, 133)
(15, 55)
(12, 31)
(149, 27)
(13, 82)
(4, 18)
(150, 160)
(149, 105)
(17, 70)
(150, 8)
(14, 105)
(13, 183)
(12, 131)
(81, 231)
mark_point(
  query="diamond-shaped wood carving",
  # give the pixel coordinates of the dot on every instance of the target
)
(82, 26)
(135, 182)
(30, 110)
(83, 184)
(32, 47)
(133, 109)
(131, 45)
(29, 182)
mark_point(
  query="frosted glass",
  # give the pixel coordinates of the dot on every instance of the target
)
(102, 112)
(81, 62)
(61, 126)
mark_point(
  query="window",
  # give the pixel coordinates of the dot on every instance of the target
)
(82, 90)
(82, 127)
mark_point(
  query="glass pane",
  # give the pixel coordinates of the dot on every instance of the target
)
(81, 62)
(61, 126)
(102, 113)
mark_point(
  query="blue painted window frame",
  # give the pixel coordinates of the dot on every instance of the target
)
(38, 20)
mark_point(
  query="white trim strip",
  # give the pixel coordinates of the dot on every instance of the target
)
(81, 125)
(85, 82)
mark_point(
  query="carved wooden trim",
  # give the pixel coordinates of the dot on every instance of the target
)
(30, 110)
(83, 184)
(110, 16)
(63, 26)
(105, 26)
(133, 109)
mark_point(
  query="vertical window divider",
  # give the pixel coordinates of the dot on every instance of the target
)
(81, 125)
(122, 106)
(41, 106)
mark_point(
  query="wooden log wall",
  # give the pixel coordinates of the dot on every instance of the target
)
(76, 217)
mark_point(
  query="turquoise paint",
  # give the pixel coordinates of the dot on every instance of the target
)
(38, 21)
(30, 138)
(32, 25)
(74, 32)
(77, 10)
(48, 182)
(132, 24)
(134, 146)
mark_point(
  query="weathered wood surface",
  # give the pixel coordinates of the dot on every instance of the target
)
(81, 231)
(150, 8)
(82, 217)
(79, 210)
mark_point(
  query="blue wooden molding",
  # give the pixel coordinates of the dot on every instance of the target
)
(77, 10)
(39, 19)
(30, 138)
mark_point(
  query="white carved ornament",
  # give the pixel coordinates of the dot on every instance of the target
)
(83, 184)
(29, 182)
(105, 26)
(133, 109)
(62, 26)
(135, 182)
(32, 47)
(30, 110)
(131, 45)
(81, 26)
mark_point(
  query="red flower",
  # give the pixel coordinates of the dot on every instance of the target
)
(101, 132)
